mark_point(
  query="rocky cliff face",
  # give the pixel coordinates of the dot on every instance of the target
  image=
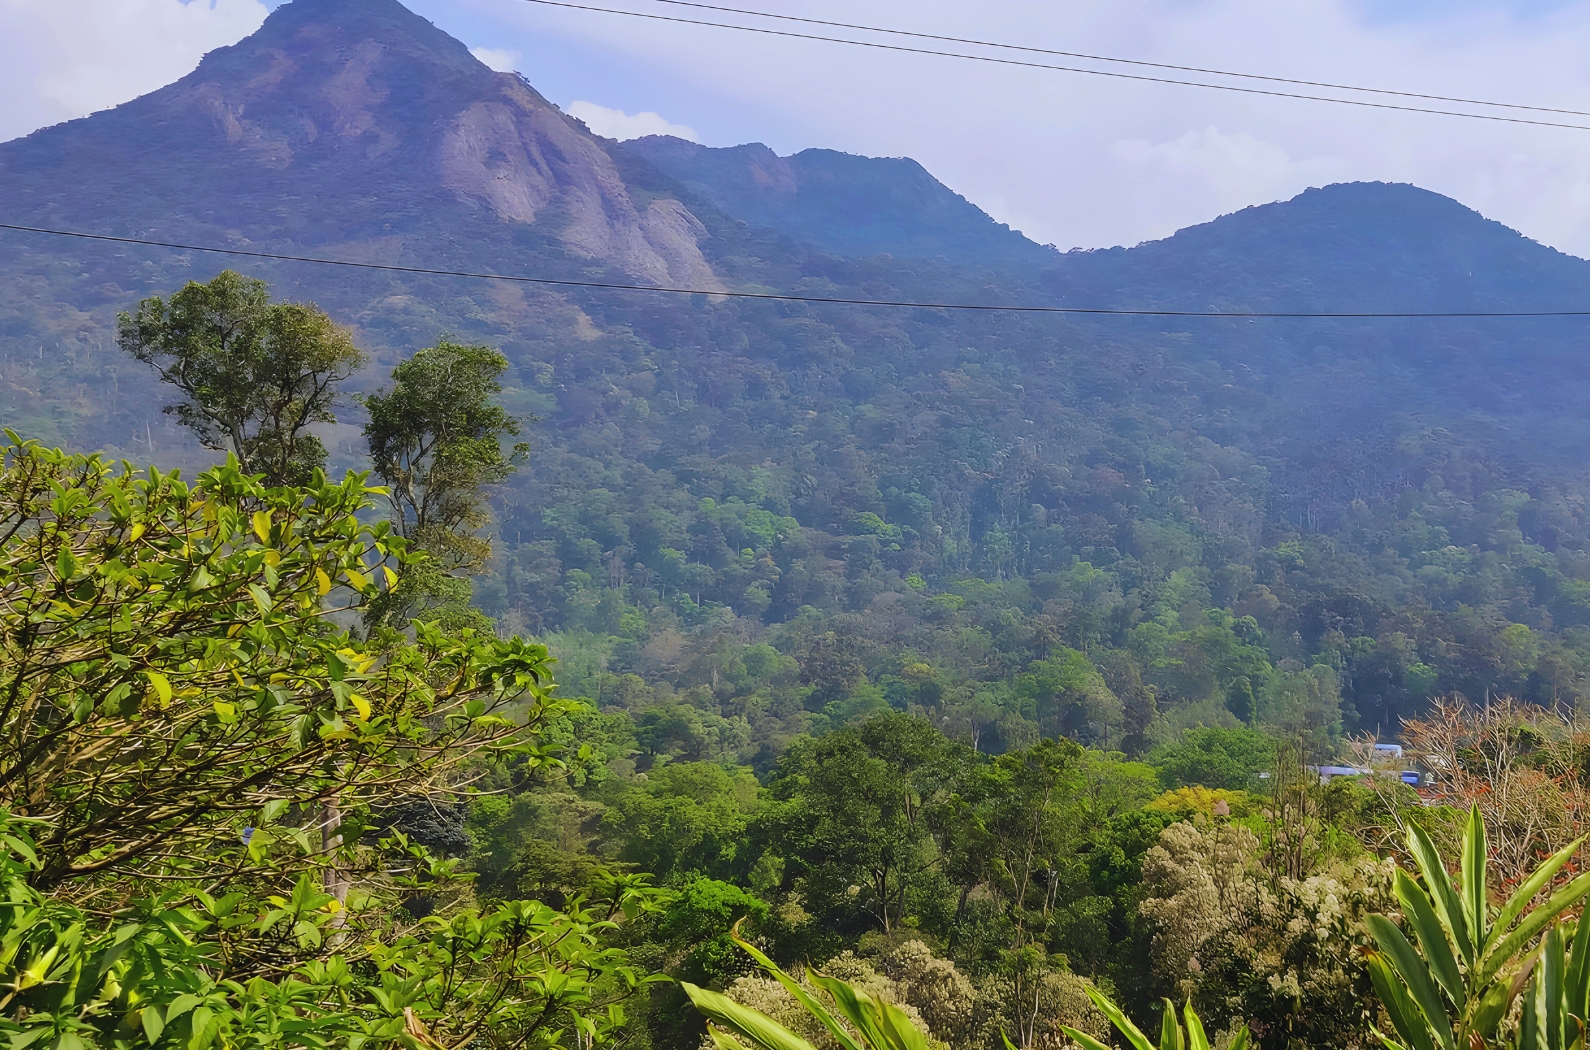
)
(346, 121)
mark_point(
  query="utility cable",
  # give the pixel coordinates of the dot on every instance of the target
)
(790, 297)
(1121, 61)
(1021, 63)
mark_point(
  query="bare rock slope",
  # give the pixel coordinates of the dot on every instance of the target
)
(348, 121)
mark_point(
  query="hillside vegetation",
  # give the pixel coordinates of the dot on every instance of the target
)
(976, 656)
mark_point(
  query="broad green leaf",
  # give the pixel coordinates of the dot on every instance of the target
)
(262, 525)
(857, 1008)
(1529, 1026)
(1240, 1040)
(1118, 1018)
(723, 1040)
(901, 1031)
(153, 1024)
(1497, 1000)
(22, 847)
(1472, 877)
(1577, 976)
(161, 685)
(1415, 974)
(1530, 925)
(754, 1025)
(1548, 983)
(802, 996)
(1442, 898)
(204, 1028)
(1538, 880)
(1169, 1031)
(22, 1040)
(1433, 938)
(1196, 1039)
(1405, 1016)
(1082, 1039)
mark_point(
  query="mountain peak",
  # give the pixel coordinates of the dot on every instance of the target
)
(1361, 246)
(328, 27)
(839, 202)
(344, 120)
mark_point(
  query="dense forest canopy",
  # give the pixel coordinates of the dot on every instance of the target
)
(982, 658)
(1016, 525)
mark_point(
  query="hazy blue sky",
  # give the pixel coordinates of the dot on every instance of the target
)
(1074, 160)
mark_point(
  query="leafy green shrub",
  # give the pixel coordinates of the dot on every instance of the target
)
(1215, 758)
(183, 969)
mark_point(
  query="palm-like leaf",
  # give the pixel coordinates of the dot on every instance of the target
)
(1172, 1036)
(1554, 1009)
(879, 1025)
(1453, 990)
(760, 1029)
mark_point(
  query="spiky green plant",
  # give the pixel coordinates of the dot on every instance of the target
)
(1452, 992)
(1172, 1036)
(1557, 1002)
(873, 1024)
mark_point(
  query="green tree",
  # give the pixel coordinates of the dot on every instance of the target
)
(254, 374)
(854, 815)
(179, 967)
(435, 439)
(684, 818)
(1216, 758)
(190, 754)
(1556, 1005)
(1018, 831)
(1069, 698)
(171, 668)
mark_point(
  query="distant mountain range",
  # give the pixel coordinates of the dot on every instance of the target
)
(839, 202)
(356, 129)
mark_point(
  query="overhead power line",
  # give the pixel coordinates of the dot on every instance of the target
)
(1113, 74)
(791, 297)
(1122, 61)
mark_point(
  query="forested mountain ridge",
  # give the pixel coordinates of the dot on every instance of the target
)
(746, 520)
(842, 203)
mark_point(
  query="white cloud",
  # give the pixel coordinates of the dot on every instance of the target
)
(616, 124)
(1077, 160)
(1210, 172)
(500, 60)
(61, 59)
(1089, 161)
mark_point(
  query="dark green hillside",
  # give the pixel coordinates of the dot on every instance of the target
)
(745, 520)
(1372, 247)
